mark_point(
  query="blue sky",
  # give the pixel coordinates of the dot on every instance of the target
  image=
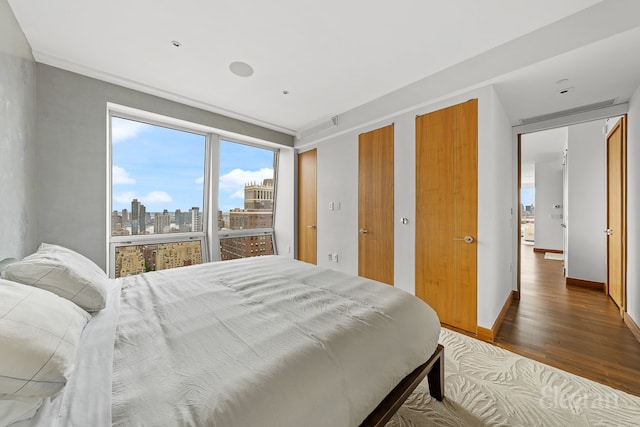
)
(164, 168)
(528, 196)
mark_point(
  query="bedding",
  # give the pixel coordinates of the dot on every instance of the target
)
(259, 341)
(264, 341)
(64, 272)
(39, 336)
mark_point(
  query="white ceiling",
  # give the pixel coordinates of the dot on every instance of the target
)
(332, 56)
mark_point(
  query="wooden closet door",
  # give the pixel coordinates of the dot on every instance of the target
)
(307, 206)
(446, 213)
(616, 233)
(375, 205)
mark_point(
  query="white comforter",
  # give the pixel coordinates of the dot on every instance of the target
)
(265, 341)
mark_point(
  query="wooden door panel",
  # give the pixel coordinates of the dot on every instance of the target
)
(446, 209)
(375, 205)
(615, 211)
(307, 206)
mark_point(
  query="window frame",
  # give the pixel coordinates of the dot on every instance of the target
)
(210, 236)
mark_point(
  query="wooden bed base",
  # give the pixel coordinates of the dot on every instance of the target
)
(432, 368)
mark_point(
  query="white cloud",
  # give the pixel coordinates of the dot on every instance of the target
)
(200, 180)
(121, 129)
(234, 181)
(125, 197)
(237, 195)
(156, 197)
(150, 198)
(120, 176)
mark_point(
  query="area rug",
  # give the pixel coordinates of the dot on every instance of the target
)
(553, 256)
(488, 386)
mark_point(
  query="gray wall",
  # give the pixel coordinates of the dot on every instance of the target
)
(17, 139)
(587, 244)
(72, 153)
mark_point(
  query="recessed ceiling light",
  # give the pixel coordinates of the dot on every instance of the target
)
(241, 69)
(562, 81)
(285, 92)
(176, 43)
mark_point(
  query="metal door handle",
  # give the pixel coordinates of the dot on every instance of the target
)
(466, 239)
(312, 226)
(363, 231)
(608, 231)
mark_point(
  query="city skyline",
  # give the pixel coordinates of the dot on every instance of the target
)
(164, 168)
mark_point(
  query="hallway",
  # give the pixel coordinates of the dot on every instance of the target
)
(572, 328)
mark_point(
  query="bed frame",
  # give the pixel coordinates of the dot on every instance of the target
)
(433, 369)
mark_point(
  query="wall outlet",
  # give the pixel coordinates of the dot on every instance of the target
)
(335, 257)
(331, 206)
(330, 257)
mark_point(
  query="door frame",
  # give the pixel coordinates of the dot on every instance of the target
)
(569, 122)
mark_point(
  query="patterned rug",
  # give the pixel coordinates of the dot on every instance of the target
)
(486, 385)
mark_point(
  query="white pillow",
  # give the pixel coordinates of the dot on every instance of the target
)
(39, 335)
(65, 273)
(14, 410)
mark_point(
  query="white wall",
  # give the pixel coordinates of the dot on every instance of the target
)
(633, 208)
(71, 155)
(548, 234)
(285, 203)
(17, 139)
(587, 248)
(338, 181)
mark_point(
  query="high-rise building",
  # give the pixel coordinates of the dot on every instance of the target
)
(259, 196)
(258, 207)
(244, 247)
(196, 219)
(179, 218)
(135, 217)
(125, 216)
(143, 219)
(162, 223)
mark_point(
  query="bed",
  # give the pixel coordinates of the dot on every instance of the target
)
(258, 341)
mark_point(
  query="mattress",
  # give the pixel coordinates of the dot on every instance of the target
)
(266, 341)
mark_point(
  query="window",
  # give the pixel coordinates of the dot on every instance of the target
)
(246, 199)
(157, 188)
(160, 192)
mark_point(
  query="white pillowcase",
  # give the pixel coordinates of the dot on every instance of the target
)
(65, 273)
(14, 410)
(39, 335)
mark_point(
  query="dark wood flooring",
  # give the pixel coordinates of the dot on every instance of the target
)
(576, 329)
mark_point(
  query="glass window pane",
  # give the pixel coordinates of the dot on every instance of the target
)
(246, 246)
(137, 259)
(246, 187)
(157, 179)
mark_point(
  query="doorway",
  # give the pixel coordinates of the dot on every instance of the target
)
(579, 187)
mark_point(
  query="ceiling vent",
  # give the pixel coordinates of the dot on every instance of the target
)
(322, 127)
(568, 112)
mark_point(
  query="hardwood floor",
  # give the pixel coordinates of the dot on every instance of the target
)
(572, 328)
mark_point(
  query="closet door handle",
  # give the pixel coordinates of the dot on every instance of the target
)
(466, 239)
(363, 231)
(312, 226)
